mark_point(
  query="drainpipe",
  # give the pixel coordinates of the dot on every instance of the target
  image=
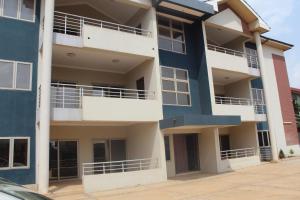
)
(43, 151)
(264, 73)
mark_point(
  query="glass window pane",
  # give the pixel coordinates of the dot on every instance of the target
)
(182, 87)
(6, 74)
(164, 32)
(23, 79)
(165, 44)
(27, 10)
(178, 36)
(169, 98)
(183, 99)
(20, 152)
(4, 153)
(167, 72)
(181, 74)
(10, 8)
(178, 47)
(177, 25)
(163, 21)
(168, 85)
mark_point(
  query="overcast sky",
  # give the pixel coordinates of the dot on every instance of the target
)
(283, 16)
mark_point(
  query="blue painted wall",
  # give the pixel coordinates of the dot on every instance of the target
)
(195, 62)
(19, 41)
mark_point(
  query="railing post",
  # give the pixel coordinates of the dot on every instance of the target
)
(66, 18)
(123, 170)
(63, 96)
(140, 165)
(103, 166)
(80, 97)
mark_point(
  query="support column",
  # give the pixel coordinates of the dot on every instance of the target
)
(268, 99)
(43, 151)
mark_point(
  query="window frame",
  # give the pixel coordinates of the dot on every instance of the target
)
(18, 11)
(11, 153)
(175, 80)
(14, 78)
(172, 30)
(169, 147)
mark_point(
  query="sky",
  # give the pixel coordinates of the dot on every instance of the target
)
(283, 16)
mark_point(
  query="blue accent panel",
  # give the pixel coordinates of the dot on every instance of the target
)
(199, 120)
(190, 4)
(195, 62)
(257, 83)
(19, 41)
(262, 126)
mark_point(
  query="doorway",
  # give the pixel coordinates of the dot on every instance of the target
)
(140, 86)
(186, 153)
(63, 160)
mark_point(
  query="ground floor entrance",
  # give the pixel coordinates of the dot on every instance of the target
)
(186, 153)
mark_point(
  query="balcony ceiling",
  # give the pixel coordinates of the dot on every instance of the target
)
(81, 58)
(221, 36)
(223, 77)
(118, 12)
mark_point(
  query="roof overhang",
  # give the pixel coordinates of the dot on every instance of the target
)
(193, 121)
(276, 43)
(296, 90)
(190, 10)
(249, 15)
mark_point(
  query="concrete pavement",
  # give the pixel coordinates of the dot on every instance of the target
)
(276, 181)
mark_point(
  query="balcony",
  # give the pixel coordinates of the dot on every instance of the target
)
(248, 109)
(103, 104)
(78, 31)
(117, 174)
(232, 60)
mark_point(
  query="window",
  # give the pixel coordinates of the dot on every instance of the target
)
(258, 96)
(15, 75)
(175, 86)
(14, 153)
(171, 35)
(18, 9)
(167, 148)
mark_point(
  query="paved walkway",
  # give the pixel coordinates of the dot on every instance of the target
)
(277, 181)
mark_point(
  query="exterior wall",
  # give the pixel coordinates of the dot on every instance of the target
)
(272, 93)
(19, 42)
(288, 115)
(195, 62)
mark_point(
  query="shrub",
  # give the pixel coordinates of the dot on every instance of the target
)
(292, 152)
(281, 154)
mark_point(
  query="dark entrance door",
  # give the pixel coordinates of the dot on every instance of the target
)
(186, 153)
(140, 86)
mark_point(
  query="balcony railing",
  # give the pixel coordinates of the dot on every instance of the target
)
(251, 58)
(70, 24)
(70, 96)
(265, 153)
(119, 166)
(260, 109)
(233, 101)
(238, 153)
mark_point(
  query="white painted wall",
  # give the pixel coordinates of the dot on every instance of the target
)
(243, 136)
(117, 41)
(116, 109)
(228, 19)
(271, 92)
(246, 112)
(238, 163)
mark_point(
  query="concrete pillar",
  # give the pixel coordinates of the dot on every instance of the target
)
(43, 151)
(268, 99)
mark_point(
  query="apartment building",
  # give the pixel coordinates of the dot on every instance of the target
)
(19, 39)
(132, 92)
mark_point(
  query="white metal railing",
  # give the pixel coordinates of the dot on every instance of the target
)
(238, 153)
(260, 109)
(251, 58)
(119, 166)
(70, 96)
(265, 153)
(233, 101)
(225, 50)
(72, 25)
